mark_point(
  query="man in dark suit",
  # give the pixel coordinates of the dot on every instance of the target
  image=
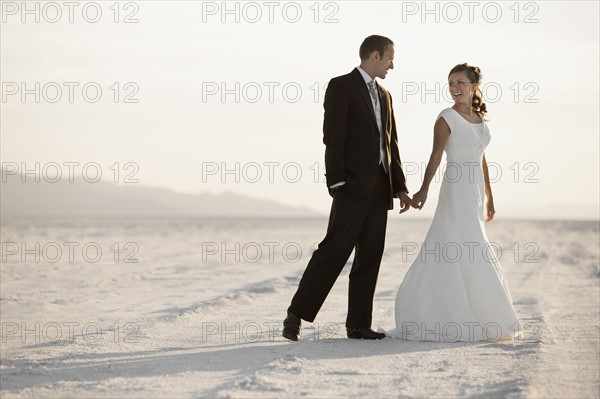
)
(364, 174)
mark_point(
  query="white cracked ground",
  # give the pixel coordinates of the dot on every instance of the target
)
(191, 320)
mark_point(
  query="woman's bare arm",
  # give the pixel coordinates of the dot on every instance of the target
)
(441, 133)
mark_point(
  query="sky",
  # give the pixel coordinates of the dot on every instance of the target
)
(227, 96)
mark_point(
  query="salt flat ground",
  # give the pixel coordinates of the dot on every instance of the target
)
(199, 314)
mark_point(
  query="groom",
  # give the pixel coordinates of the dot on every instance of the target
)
(364, 174)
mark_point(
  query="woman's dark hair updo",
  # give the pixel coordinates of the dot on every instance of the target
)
(474, 75)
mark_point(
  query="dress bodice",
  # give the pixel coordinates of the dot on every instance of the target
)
(467, 140)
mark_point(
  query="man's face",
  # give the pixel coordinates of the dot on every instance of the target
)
(384, 63)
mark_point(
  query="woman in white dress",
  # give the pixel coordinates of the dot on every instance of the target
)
(455, 290)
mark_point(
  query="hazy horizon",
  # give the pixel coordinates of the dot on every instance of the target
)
(47, 201)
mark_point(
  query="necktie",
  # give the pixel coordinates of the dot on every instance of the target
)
(382, 147)
(371, 85)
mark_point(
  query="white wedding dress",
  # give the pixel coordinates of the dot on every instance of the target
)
(455, 289)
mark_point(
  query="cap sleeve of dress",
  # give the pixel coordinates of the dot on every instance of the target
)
(449, 116)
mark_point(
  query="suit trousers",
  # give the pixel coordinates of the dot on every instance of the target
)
(358, 224)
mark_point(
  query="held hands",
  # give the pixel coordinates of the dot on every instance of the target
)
(404, 202)
(490, 211)
(419, 199)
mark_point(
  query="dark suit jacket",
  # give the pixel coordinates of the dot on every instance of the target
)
(351, 137)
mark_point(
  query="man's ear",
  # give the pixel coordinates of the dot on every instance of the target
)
(375, 56)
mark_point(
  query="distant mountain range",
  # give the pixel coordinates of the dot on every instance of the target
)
(81, 198)
(103, 198)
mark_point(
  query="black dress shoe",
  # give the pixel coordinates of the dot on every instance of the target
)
(363, 333)
(291, 327)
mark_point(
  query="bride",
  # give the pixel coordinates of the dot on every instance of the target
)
(455, 290)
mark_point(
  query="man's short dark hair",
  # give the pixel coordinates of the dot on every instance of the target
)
(374, 43)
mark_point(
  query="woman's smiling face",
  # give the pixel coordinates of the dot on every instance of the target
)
(461, 88)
